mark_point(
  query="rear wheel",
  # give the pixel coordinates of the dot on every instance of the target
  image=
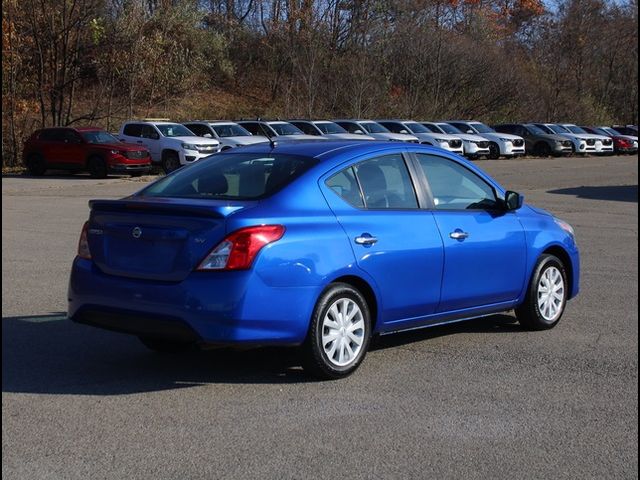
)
(170, 162)
(162, 345)
(547, 295)
(494, 151)
(36, 165)
(97, 167)
(339, 335)
(136, 174)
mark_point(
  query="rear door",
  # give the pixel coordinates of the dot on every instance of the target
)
(394, 241)
(485, 251)
(151, 139)
(73, 150)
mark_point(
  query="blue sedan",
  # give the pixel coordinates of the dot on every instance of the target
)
(318, 245)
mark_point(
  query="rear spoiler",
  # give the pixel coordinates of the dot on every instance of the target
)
(165, 206)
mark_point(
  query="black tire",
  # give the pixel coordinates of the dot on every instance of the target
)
(36, 165)
(494, 151)
(170, 162)
(542, 149)
(97, 167)
(162, 345)
(529, 313)
(136, 174)
(315, 360)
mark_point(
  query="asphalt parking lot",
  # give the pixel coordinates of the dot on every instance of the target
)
(482, 399)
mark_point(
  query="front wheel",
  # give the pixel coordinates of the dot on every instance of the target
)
(547, 295)
(170, 162)
(97, 167)
(339, 334)
(36, 165)
(494, 151)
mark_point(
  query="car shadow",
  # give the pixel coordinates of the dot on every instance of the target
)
(619, 193)
(49, 354)
(61, 175)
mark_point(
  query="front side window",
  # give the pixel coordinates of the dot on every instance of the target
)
(415, 127)
(307, 128)
(446, 128)
(346, 186)
(351, 127)
(386, 183)
(535, 130)
(482, 128)
(231, 176)
(231, 130)
(373, 127)
(453, 187)
(174, 130)
(558, 129)
(329, 127)
(149, 132)
(575, 129)
(285, 129)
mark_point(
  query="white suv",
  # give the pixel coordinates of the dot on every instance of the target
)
(500, 144)
(474, 146)
(229, 134)
(445, 141)
(604, 144)
(170, 144)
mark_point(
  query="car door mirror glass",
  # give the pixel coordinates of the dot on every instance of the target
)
(513, 200)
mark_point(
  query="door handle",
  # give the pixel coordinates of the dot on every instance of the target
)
(366, 239)
(458, 234)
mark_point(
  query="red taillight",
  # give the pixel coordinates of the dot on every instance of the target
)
(83, 243)
(238, 250)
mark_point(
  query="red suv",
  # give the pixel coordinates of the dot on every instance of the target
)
(91, 149)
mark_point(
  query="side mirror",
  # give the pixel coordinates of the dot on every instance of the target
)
(359, 132)
(404, 132)
(470, 131)
(513, 200)
(207, 135)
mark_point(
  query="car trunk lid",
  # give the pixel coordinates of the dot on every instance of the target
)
(156, 238)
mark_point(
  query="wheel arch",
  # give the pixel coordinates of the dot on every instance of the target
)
(165, 151)
(565, 258)
(367, 292)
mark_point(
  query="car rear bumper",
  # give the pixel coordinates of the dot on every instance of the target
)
(209, 307)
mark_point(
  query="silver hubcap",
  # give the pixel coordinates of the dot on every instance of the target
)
(343, 332)
(551, 294)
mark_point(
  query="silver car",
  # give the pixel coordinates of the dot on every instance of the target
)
(327, 129)
(229, 134)
(375, 130)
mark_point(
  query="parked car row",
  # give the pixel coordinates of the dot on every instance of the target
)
(139, 144)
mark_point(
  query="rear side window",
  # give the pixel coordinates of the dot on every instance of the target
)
(52, 135)
(232, 177)
(386, 183)
(132, 130)
(454, 187)
(346, 186)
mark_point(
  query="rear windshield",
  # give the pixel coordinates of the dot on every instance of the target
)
(231, 176)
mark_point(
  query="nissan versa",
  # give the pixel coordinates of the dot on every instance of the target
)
(318, 245)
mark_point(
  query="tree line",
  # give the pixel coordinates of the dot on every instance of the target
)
(99, 62)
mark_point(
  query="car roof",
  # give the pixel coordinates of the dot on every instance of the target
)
(86, 129)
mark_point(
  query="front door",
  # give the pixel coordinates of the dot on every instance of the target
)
(484, 245)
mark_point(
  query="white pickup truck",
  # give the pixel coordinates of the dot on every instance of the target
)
(170, 144)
